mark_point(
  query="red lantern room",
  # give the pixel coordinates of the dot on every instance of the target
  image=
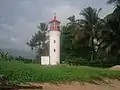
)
(54, 24)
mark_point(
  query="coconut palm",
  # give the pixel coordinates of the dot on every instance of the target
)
(86, 27)
(109, 35)
(116, 2)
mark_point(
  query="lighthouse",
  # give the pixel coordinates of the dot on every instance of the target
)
(54, 41)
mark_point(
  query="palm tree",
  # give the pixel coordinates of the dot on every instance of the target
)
(73, 27)
(86, 31)
(116, 2)
(109, 35)
(38, 41)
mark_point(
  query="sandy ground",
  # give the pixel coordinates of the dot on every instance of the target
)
(117, 67)
(110, 85)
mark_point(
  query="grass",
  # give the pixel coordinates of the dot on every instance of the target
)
(19, 72)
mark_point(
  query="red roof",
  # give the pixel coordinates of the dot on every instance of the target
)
(54, 20)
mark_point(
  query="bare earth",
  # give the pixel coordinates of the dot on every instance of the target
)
(117, 67)
(110, 85)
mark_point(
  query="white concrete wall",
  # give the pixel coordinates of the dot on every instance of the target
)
(45, 60)
(54, 56)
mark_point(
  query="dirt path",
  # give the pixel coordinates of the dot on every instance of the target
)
(113, 85)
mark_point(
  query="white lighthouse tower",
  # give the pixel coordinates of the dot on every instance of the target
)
(54, 41)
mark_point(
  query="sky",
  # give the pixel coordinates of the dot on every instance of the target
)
(19, 18)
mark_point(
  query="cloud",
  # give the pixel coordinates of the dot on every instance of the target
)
(19, 18)
(64, 12)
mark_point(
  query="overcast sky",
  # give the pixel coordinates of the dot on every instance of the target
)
(19, 18)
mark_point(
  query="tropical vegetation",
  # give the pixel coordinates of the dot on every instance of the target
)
(90, 40)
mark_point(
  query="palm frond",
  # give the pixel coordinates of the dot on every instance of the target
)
(111, 1)
(116, 2)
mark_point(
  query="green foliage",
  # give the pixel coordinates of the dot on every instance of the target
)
(78, 35)
(109, 34)
(116, 2)
(3, 56)
(6, 57)
(21, 73)
(99, 62)
(86, 41)
(38, 41)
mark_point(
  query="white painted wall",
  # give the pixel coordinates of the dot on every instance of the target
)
(45, 60)
(54, 56)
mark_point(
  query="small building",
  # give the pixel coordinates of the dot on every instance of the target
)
(45, 60)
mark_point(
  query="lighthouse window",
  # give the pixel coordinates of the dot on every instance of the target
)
(54, 41)
(54, 50)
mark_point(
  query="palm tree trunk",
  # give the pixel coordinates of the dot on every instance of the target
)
(92, 44)
(92, 52)
(45, 50)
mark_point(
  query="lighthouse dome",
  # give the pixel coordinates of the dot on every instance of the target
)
(54, 24)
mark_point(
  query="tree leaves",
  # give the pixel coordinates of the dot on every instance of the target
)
(110, 33)
(38, 40)
(116, 2)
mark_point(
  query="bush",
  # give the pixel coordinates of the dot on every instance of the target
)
(7, 57)
(103, 63)
(77, 61)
